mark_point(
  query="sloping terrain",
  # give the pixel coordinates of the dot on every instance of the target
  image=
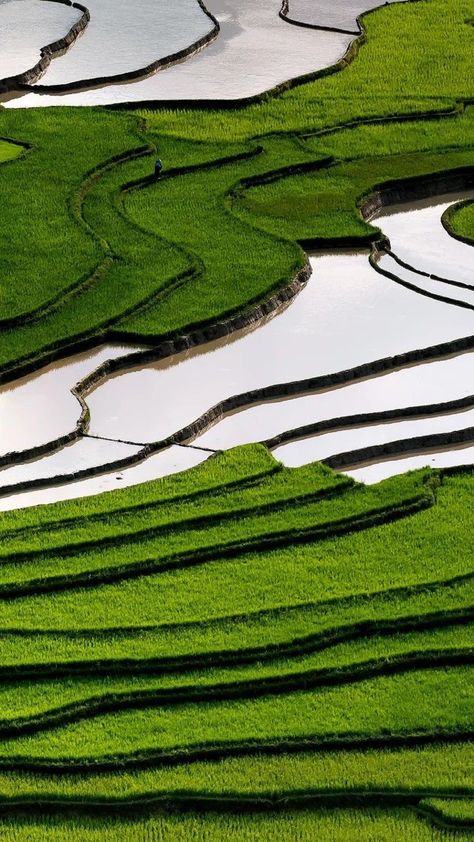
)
(213, 640)
(243, 650)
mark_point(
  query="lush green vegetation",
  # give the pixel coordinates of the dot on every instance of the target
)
(241, 635)
(322, 642)
(374, 825)
(143, 265)
(460, 219)
(8, 151)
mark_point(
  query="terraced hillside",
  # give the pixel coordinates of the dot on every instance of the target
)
(145, 275)
(212, 641)
(243, 650)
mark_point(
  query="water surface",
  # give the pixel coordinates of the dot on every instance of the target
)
(255, 50)
(348, 314)
(126, 36)
(418, 237)
(25, 27)
(448, 458)
(433, 382)
(170, 461)
(40, 407)
(340, 15)
(318, 448)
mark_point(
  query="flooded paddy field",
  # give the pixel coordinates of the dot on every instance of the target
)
(346, 319)
(124, 38)
(41, 407)
(170, 461)
(346, 316)
(255, 50)
(26, 26)
(338, 16)
(427, 248)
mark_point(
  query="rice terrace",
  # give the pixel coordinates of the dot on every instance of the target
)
(236, 420)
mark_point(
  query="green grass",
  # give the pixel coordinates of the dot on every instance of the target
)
(9, 151)
(374, 825)
(388, 556)
(452, 812)
(409, 769)
(37, 698)
(161, 542)
(143, 266)
(225, 605)
(256, 633)
(460, 219)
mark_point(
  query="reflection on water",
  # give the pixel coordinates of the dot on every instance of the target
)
(79, 456)
(125, 36)
(316, 448)
(340, 15)
(170, 461)
(39, 408)
(434, 382)
(425, 243)
(255, 50)
(432, 458)
(429, 286)
(346, 315)
(25, 27)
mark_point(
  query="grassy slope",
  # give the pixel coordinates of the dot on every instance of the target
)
(289, 586)
(155, 270)
(372, 825)
(397, 595)
(256, 633)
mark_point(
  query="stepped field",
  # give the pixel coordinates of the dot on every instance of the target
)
(243, 650)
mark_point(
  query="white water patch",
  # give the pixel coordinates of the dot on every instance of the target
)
(318, 448)
(347, 315)
(436, 458)
(171, 461)
(28, 25)
(340, 15)
(424, 285)
(255, 51)
(81, 455)
(433, 382)
(39, 408)
(417, 236)
(124, 36)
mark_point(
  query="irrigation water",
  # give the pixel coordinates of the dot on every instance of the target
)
(254, 51)
(125, 37)
(25, 27)
(348, 315)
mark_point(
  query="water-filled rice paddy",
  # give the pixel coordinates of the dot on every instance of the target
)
(28, 25)
(123, 38)
(255, 50)
(280, 651)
